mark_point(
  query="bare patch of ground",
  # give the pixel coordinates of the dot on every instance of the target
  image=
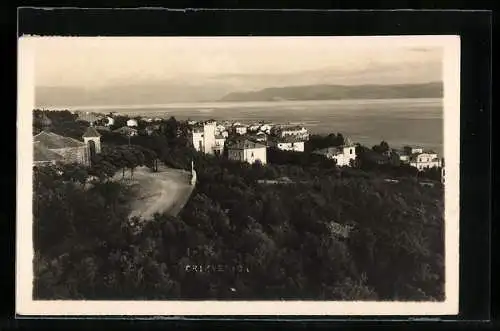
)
(165, 191)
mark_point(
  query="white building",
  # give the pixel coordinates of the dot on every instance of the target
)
(109, 121)
(131, 122)
(288, 144)
(203, 137)
(425, 160)
(404, 158)
(247, 151)
(240, 129)
(296, 131)
(219, 144)
(343, 156)
(254, 127)
(266, 127)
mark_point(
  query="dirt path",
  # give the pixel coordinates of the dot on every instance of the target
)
(165, 191)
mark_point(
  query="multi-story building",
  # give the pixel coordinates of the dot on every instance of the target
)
(203, 135)
(296, 131)
(247, 151)
(219, 144)
(240, 129)
(425, 160)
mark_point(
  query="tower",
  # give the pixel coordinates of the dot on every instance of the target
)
(92, 140)
(209, 136)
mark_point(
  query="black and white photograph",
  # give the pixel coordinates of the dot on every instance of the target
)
(238, 175)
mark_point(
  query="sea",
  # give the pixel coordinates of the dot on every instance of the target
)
(413, 122)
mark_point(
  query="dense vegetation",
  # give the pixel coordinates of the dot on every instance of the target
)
(253, 241)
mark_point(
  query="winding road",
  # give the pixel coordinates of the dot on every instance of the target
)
(165, 191)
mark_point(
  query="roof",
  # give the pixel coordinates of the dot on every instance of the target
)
(43, 154)
(245, 144)
(91, 132)
(287, 139)
(88, 116)
(54, 141)
(290, 128)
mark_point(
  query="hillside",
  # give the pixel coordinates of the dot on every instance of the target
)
(335, 92)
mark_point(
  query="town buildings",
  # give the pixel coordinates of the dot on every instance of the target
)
(50, 148)
(296, 131)
(245, 150)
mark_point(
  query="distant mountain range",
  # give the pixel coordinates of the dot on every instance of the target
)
(337, 92)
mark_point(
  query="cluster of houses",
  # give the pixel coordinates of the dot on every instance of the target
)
(249, 143)
(246, 143)
(105, 122)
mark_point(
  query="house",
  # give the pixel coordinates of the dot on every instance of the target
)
(202, 136)
(296, 131)
(50, 148)
(219, 144)
(109, 121)
(425, 160)
(343, 156)
(287, 143)
(266, 128)
(132, 123)
(254, 127)
(126, 131)
(247, 151)
(240, 129)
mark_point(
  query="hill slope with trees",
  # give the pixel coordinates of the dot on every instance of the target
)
(236, 239)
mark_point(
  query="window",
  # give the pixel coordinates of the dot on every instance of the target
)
(350, 151)
(251, 155)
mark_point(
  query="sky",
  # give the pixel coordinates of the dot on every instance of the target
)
(245, 62)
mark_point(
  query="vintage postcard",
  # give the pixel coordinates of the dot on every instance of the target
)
(182, 176)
